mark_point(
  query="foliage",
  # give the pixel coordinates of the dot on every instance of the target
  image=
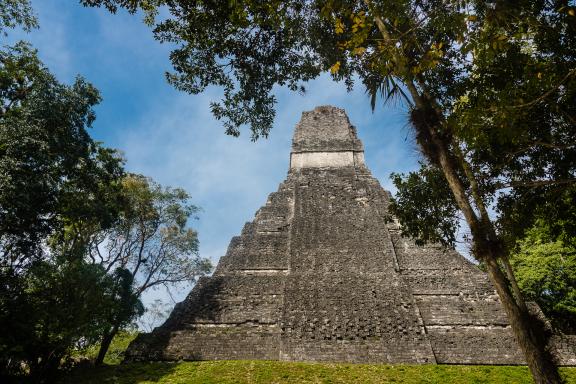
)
(51, 172)
(125, 305)
(63, 199)
(53, 177)
(522, 152)
(47, 310)
(546, 270)
(256, 372)
(61, 196)
(245, 47)
(15, 13)
(426, 206)
(150, 8)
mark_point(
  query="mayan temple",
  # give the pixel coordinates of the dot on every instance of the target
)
(320, 274)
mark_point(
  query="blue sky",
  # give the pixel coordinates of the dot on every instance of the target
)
(172, 136)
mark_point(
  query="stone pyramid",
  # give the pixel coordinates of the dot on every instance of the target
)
(320, 274)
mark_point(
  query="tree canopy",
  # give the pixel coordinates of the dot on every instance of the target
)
(59, 191)
(16, 13)
(545, 264)
(53, 176)
(51, 172)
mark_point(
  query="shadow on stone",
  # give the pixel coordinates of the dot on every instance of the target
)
(200, 306)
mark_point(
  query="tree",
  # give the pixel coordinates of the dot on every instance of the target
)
(51, 308)
(450, 61)
(59, 192)
(150, 242)
(52, 174)
(125, 307)
(53, 177)
(546, 269)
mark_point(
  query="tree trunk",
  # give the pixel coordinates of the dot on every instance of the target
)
(105, 345)
(514, 283)
(529, 334)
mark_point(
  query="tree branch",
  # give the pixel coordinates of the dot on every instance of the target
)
(535, 183)
(546, 94)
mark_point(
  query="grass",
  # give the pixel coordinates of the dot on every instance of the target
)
(267, 372)
(115, 353)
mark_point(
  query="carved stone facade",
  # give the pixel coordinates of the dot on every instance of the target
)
(321, 275)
